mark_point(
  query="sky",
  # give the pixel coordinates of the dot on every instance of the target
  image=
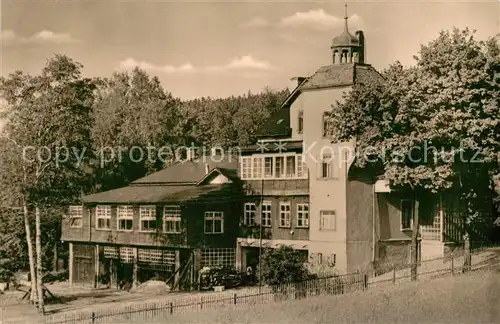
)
(223, 48)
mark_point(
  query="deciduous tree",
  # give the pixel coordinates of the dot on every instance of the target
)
(48, 127)
(433, 127)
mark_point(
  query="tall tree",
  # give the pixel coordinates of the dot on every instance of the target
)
(132, 110)
(433, 127)
(231, 121)
(48, 123)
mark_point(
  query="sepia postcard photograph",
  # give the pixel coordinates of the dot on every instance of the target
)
(249, 161)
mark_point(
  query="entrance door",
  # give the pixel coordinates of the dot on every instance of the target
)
(252, 258)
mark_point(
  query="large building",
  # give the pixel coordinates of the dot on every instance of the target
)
(309, 198)
(167, 225)
(293, 187)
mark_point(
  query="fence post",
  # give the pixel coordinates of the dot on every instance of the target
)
(234, 298)
(201, 302)
(365, 283)
(93, 317)
(171, 307)
(393, 274)
(452, 265)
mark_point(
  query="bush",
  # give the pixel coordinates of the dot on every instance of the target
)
(5, 275)
(283, 265)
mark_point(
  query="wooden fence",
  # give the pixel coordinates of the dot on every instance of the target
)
(334, 285)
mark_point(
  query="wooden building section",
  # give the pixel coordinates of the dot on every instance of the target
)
(166, 226)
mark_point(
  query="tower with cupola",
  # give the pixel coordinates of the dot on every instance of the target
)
(347, 48)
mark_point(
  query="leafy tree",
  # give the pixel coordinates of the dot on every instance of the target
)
(282, 265)
(433, 127)
(230, 121)
(131, 110)
(48, 127)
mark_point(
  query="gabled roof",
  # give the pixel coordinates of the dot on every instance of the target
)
(189, 172)
(330, 76)
(338, 75)
(230, 175)
(179, 182)
(135, 194)
(277, 126)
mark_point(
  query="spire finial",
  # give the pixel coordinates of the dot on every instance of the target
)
(345, 19)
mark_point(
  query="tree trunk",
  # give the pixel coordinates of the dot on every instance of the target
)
(55, 257)
(414, 242)
(467, 254)
(31, 257)
(39, 275)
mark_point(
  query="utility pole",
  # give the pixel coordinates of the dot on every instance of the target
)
(260, 233)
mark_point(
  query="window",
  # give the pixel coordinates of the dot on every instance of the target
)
(325, 124)
(214, 222)
(246, 166)
(266, 214)
(147, 216)
(301, 167)
(326, 167)
(327, 220)
(75, 216)
(172, 219)
(103, 217)
(302, 215)
(279, 166)
(249, 216)
(285, 214)
(300, 122)
(290, 166)
(257, 167)
(407, 213)
(125, 218)
(268, 167)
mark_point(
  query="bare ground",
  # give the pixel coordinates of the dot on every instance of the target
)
(471, 298)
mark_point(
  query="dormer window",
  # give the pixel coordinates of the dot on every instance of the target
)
(300, 122)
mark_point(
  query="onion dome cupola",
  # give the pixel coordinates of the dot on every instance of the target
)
(347, 48)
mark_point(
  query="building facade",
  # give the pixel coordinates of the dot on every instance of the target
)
(303, 186)
(167, 225)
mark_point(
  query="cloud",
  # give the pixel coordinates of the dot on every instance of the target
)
(244, 63)
(256, 22)
(131, 63)
(248, 62)
(9, 37)
(317, 18)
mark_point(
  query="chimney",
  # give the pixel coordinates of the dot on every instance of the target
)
(299, 80)
(207, 168)
(362, 55)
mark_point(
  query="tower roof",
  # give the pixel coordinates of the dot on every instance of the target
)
(346, 38)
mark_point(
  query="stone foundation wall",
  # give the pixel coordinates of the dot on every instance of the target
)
(393, 253)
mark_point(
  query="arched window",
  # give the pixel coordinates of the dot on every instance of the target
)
(300, 122)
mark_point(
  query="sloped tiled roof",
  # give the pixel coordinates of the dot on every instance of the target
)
(337, 75)
(135, 194)
(278, 125)
(189, 171)
(174, 183)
